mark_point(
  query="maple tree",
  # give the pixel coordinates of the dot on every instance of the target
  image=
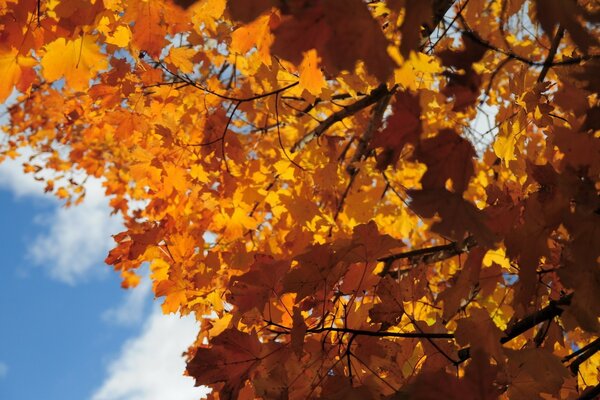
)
(309, 178)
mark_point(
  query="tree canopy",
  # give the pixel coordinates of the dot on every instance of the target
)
(356, 199)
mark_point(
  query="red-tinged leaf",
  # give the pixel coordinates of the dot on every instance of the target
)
(231, 359)
(254, 288)
(580, 149)
(467, 280)
(534, 371)
(447, 156)
(340, 388)
(464, 58)
(550, 13)
(417, 14)
(481, 333)
(369, 245)
(440, 385)
(319, 268)
(390, 308)
(458, 216)
(249, 10)
(483, 376)
(298, 332)
(321, 25)
(72, 14)
(403, 127)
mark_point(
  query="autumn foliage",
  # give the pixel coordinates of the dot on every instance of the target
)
(356, 199)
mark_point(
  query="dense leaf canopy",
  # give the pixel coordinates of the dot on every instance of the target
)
(357, 199)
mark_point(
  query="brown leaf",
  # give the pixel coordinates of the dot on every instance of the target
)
(534, 371)
(403, 127)
(481, 333)
(448, 156)
(254, 288)
(458, 215)
(298, 332)
(390, 308)
(416, 14)
(248, 10)
(231, 359)
(462, 287)
(552, 12)
(342, 31)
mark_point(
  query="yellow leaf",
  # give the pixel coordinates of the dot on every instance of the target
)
(206, 12)
(220, 325)
(285, 170)
(181, 57)
(497, 256)
(255, 34)
(504, 147)
(121, 37)
(77, 61)
(311, 76)
(62, 193)
(12, 67)
(197, 172)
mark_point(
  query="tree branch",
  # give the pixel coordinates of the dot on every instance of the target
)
(429, 255)
(347, 111)
(361, 332)
(583, 355)
(552, 53)
(590, 394)
(550, 311)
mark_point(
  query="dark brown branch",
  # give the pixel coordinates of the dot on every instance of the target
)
(363, 142)
(585, 353)
(418, 335)
(361, 332)
(554, 309)
(347, 111)
(552, 53)
(429, 255)
(581, 350)
(590, 394)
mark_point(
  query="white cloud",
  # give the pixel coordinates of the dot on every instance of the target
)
(3, 369)
(15, 180)
(150, 367)
(77, 239)
(131, 311)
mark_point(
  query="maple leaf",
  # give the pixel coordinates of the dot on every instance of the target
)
(254, 288)
(552, 12)
(465, 284)
(76, 60)
(267, 156)
(479, 331)
(403, 127)
(448, 156)
(391, 307)
(233, 357)
(316, 27)
(318, 269)
(16, 71)
(458, 216)
(534, 371)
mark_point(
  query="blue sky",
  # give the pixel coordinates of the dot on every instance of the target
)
(69, 331)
